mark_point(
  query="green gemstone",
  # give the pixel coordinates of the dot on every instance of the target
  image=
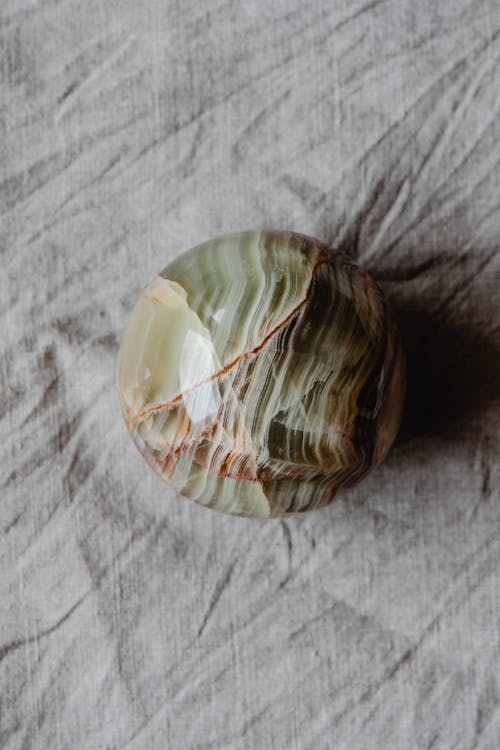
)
(261, 373)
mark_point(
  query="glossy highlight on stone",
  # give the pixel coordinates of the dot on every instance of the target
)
(261, 373)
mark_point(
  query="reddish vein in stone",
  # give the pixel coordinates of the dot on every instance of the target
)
(154, 299)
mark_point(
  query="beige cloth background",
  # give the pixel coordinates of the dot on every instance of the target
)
(130, 131)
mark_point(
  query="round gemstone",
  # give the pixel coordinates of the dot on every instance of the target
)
(261, 373)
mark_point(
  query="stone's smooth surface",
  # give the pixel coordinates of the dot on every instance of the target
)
(261, 373)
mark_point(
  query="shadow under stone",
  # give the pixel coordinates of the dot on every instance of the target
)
(453, 375)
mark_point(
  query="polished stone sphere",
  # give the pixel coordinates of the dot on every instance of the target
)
(261, 373)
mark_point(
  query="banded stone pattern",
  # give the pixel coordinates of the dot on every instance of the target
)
(261, 373)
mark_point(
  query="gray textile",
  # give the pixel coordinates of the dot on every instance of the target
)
(130, 618)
